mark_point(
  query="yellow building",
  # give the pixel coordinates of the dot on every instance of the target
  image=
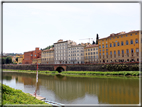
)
(120, 47)
(47, 56)
(20, 59)
(91, 54)
(14, 59)
(34, 61)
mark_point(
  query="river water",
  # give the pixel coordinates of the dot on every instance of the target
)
(77, 90)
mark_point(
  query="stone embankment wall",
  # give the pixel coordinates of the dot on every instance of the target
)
(77, 67)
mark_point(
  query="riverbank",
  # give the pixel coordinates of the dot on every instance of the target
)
(83, 73)
(14, 96)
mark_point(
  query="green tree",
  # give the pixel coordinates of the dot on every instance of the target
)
(8, 60)
(17, 59)
(93, 43)
(97, 38)
(3, 60)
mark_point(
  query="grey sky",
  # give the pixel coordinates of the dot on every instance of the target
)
(30, 25)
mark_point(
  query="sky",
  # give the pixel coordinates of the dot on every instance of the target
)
(30, 25)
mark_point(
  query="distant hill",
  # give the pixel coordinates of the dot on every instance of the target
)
(11, 54)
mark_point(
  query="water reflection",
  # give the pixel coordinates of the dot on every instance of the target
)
(83, 90)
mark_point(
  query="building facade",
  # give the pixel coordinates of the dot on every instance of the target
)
(47, 56)
(91, 54)
(75, 54)
(120, 47)
(35, 61)
(20, 59)
(61, 51)
(30, 55)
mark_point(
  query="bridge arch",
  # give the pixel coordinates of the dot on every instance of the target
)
(59, 68)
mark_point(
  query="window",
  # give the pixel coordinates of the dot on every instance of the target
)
(122, 43)
(103, 53)
(106, 45)
(99, 47)
(94, 56)
(126, 42)
(106, 49)
(127, 51)
(110, 45)
(132, 50)
(88, 49)
(106, 53)
(122, 51)
(103, 49)
(94, 48)
(126, 35)
(110, 52)
(100, 53)
(91, 53)
(103, 46)
(136, 41)
(94, 52)
(137, 50)
(114, 44)
(100, 50)
(135, 33)
(117, 43)
(35, 55)
(131, 34)
(121, 36)
(113, 38)
(118, 51)
(91, 49)
(110, 38)
(131, 41)
(114, 52)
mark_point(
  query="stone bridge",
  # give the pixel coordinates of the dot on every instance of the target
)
(60, 68)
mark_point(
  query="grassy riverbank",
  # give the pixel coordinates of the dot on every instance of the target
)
(105, 73)
(14, 96)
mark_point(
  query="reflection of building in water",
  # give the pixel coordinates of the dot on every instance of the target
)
(119, 93)
(70, 89)
(108, 90)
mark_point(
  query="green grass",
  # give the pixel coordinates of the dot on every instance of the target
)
(14, 96)
(105, 73)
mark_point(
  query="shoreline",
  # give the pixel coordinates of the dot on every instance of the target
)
(110, 74)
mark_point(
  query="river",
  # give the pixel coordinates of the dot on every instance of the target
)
(77, 90)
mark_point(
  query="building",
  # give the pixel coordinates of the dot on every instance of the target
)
(120, 47)
(35, 61)
(20, 59)
(61, 51)
(47, 56)
(75, 54)
(91, 54)
(14, 59)
(30, 55)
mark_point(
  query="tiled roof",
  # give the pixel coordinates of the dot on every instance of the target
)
(118, 34)
(94, 45)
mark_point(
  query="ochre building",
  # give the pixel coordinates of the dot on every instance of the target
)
(91, 54)
(47, 56)
(120, 47)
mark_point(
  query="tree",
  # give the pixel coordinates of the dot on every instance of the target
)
(97, 38)
(8, 60)
(93, 43)
(17, 59)
(3, 60)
